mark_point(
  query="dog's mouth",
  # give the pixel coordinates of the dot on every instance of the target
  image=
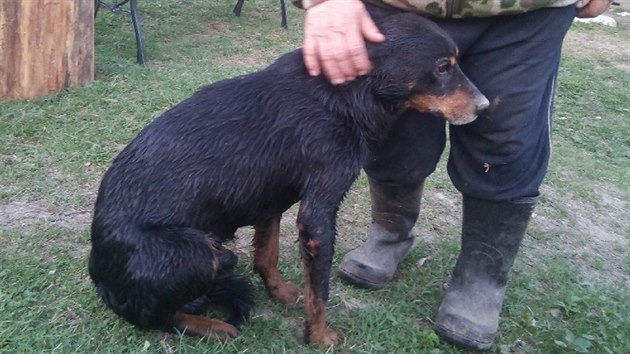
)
(458, 108)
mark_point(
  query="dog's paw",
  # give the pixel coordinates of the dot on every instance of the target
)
(287, 293)
(325, 337)
(222, 332)
(205, 327)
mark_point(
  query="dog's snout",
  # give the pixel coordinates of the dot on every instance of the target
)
(481, 103)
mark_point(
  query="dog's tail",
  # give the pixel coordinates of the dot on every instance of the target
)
(229, 290)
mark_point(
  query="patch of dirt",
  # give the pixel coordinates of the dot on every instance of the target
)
(254, 59)
(440, 212)
(598, 232)
(219, 25)
(20, 213)
(245, 61)
(26, 216)
(596, 43)
(600, 44)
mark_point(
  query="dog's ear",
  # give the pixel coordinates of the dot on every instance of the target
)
(389, 89)
(385, 82)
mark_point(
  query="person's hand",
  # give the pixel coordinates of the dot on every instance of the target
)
(334, 39)
(592, 8)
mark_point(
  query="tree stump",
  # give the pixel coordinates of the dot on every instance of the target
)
(45, 46)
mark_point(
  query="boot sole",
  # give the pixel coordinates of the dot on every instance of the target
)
(461, 340)
(359, 282)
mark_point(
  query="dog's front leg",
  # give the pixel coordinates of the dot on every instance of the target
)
(266, 249)
(316, 225)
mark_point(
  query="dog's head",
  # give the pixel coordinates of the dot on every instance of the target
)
(416, 67)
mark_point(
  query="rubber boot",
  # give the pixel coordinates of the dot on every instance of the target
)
(491, 235)
(395, 210)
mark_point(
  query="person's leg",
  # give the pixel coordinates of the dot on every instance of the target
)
(498, 163)
(396, 174)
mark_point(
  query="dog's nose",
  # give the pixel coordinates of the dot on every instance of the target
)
(481, 103)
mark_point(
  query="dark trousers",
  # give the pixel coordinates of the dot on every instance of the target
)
(504, 154)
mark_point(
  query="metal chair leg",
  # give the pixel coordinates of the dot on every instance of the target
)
(283, 7)
(238, 7)
(116, 6)
(135, 19)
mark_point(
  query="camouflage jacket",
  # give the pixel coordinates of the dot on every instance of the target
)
(459, 8)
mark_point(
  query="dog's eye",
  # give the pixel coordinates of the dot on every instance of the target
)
(443, 66)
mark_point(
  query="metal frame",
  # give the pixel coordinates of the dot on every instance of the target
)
(116, 6)
(283, 8)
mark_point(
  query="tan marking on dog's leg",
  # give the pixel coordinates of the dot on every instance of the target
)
(266, 250)
(316, 331)
(204, 327)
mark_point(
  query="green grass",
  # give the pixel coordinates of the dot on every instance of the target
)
(569, 289)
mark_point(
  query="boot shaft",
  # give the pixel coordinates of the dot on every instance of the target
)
(492, 233)
(395, 210)
(395, 207)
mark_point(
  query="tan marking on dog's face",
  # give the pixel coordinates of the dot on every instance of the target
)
(452, 60)
(458, 108)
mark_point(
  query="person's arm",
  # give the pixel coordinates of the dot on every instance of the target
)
(334, 38)
(592, 8)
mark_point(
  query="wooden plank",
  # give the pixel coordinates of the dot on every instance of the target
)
(45, 46)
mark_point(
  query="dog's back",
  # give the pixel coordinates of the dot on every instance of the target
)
(233, 154)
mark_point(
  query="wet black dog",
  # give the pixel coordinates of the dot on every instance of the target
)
(240, 152)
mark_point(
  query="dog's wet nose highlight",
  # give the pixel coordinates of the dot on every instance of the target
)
(481, 103)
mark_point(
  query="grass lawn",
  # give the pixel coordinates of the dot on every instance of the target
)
(569, 289)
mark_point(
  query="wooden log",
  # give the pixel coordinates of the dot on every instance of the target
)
(45, 46)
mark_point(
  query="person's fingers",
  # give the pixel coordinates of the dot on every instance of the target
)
(357, 53)
(356, 50)
(593, 8)
(332, 58)
(369, 29)
(310, 54)
(356, 42)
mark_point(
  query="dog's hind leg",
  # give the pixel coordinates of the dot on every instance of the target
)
(266, 249)
(204, 327)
